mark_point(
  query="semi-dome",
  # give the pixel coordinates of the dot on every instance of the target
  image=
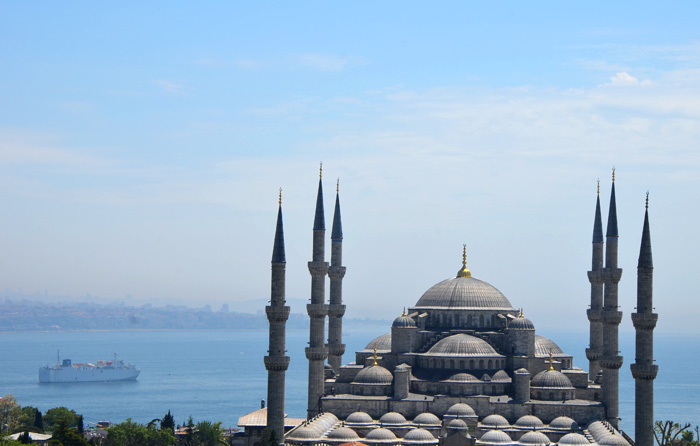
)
(359, 418)
(374, 374)
(304, 433)
(460, 410)
(495, 437)
(544, 345)
(380, 434)
(521, 323)
(427, 419)
(495, 421)
(403, 321)
(382, 343)
(464, 293)
(551, 378)
(462, 345)
(419, 435)
(343, 433)
(462, 378)
(500, 376)
(392, 418)
(573, 439)
(534, 439)
(565, 423)
(613, 440)
(529, 422)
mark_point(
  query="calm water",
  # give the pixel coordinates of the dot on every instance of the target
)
(219, 375)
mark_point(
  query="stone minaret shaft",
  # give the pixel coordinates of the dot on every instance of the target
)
(276, 362)
(644, 370)
(611, 361)
(317, 352)
(336, 309)
(595, 276)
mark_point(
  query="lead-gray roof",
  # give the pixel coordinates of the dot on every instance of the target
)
(462, 345)
(464, 293)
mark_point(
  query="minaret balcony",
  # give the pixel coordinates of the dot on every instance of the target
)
(316, 353)
(336, 349)
(611, 317)
(595, 277)
(594, 315)
(611, 362)
(336, 310)
(611, 275)
(644, 372)
(276, 363)
(318, 269)
(644, 321)
(593, 354)
(277, 314)
(317, 311)
(336, 272)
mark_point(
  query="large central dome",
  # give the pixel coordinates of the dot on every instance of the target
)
(464, 293)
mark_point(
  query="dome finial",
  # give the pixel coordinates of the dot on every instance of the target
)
(551, 367)
(337, 186)
(613, 174)
(375, 354)
(280, 201)
(320, 171)
(520, 314)
(404, 311)
(646, 206)
(464, 271)
(598, 186)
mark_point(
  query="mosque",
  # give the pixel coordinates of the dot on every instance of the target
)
(462, 366)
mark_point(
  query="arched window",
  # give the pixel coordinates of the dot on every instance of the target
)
(469, 320)
(481, 320)
(481, 363)
(493, 390)
(490, 364)
(471, 364)
(452, 363)
(461, 364)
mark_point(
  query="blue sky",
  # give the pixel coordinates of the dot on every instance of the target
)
(142, 146)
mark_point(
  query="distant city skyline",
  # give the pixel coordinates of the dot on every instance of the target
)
(142, 147)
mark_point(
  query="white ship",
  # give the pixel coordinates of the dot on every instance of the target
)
(69, 372)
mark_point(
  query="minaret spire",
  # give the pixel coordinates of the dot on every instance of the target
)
(336, 272)
(317, 352)
(611, 361)
(644, 319)
(276, 362)
(595, 277)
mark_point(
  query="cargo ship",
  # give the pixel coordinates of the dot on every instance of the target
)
(69, 372)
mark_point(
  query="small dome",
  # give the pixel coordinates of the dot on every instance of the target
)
(500, 376)
(534, 439)
(462, 345)
(522, 371)
(544, 345)
(551, 378)
(375, 374)
(495, 437)
(359, 418)
(383, 343)
(521, 323)
(565, 423)
(598, 429)
(464, 293)
(495, 421)
(419, 435)
(460, 410)
(392, 418)
(529, 422)
(456, 424)
(343, 433)
(380, 434)
(485, 377)
(427, 419)
(573, 439)
(403, 321)
(304, 433)
(462, 378)
(613, 440)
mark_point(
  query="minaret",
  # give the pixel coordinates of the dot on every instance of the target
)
(276, 362)
(644, 370)
(595, 276)
(317, 352)
(336, 272)
(611, 361)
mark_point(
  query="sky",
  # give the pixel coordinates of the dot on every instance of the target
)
(143, 144)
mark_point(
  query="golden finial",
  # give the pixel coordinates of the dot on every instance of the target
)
(375, 354)
(320, 170)
(280, 196)
(551, 367)
(464, 271)
(404, 311)
(520, 314)
(613, 174)
(646, 206)
(598, 186)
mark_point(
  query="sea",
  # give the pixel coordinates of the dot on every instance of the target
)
(218, 375)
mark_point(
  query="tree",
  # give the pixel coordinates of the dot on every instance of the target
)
(80, 427)
(208, 433)
(67, 436)
(38, 421)
(24, 438)
(269, 438)
(667, 432)
(168, 422)
(9, 413)
(53, 416)
(129, 433)
(27, 417)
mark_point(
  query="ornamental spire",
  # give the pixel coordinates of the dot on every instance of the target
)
(319, 217)
(551, 360)
(612, 213)
(598, 222)
(645, 258)
(278, 255)
(464, 271)
(337, 229)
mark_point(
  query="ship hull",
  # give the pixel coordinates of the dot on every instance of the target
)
(86, 374)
